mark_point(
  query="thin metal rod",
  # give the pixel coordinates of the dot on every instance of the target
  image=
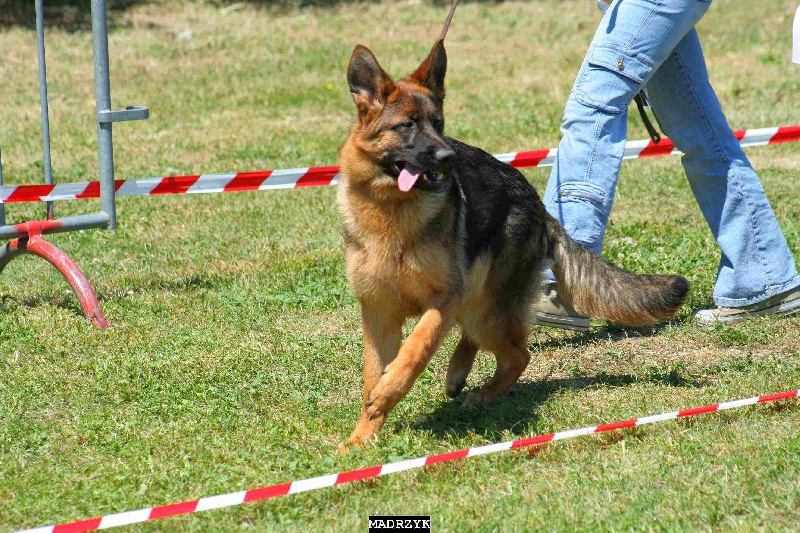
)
(48, 169)
(102, 85)
(60, 225)
(2, 206)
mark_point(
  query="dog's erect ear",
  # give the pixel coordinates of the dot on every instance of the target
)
(369, 84)
(431, 72)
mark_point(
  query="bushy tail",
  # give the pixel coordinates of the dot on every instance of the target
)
(596, 288)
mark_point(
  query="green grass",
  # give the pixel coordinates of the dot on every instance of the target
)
(233, 359)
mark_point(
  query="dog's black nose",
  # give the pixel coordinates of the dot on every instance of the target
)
(444, 156)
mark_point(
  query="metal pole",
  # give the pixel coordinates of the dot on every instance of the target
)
(2, 206)
(105, 150)
(60, 225)
(48, 170)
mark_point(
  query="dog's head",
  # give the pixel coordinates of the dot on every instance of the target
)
(400, 124)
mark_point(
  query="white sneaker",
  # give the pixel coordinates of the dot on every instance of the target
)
(784, 303)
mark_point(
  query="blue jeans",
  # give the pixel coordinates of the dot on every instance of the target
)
(653, 43)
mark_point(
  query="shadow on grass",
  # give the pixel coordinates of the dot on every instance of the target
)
(63, 300)
(526, 397)
(76, 15)
(609, 332)
(61, 297)
(69, 15)
(183, 284)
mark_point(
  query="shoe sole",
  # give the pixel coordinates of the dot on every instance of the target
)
(782, 309)
(573, 323)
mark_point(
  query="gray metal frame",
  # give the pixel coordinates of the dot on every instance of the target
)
(2, 207)
(107, 217)
(48, 168)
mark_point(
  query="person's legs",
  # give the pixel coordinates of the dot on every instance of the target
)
(633, 39)
(756, 262)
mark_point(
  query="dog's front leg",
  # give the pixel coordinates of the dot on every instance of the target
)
(382, 335)
(412, 359)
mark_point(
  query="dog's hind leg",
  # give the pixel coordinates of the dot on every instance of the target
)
(460, 365)
(512, 357)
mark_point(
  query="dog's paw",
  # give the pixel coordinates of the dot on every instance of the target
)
(476, 399)
(454, 388)
(383, 397)
(376, 405)
(364, 434)
(354, 443)
(344, 447)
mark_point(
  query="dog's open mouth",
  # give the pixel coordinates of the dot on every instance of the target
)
(408, 174)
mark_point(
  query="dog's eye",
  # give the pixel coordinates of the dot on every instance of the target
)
(406, 124)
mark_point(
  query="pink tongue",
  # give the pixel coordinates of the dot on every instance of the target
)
(408, 177)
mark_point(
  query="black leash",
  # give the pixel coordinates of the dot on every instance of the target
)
(449, 19)
(641, 102)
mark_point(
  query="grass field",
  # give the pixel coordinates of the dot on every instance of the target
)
(233, 357)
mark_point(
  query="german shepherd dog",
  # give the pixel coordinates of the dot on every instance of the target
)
(442, 230)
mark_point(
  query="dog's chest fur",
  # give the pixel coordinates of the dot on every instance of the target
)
(393, 251)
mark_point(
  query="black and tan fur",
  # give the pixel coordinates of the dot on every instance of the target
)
(466, 245)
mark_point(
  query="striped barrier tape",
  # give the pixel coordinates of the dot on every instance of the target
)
(313, 176)
(304, 485)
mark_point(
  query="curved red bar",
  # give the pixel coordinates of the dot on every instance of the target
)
(36, 245)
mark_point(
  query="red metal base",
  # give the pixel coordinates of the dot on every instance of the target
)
(35, 244)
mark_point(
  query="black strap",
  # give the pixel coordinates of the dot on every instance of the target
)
(447, 22)
(641, 101)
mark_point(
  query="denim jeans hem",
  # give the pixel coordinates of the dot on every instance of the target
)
(768, 293)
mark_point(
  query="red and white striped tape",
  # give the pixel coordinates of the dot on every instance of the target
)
(305, 177)
(304, 485)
